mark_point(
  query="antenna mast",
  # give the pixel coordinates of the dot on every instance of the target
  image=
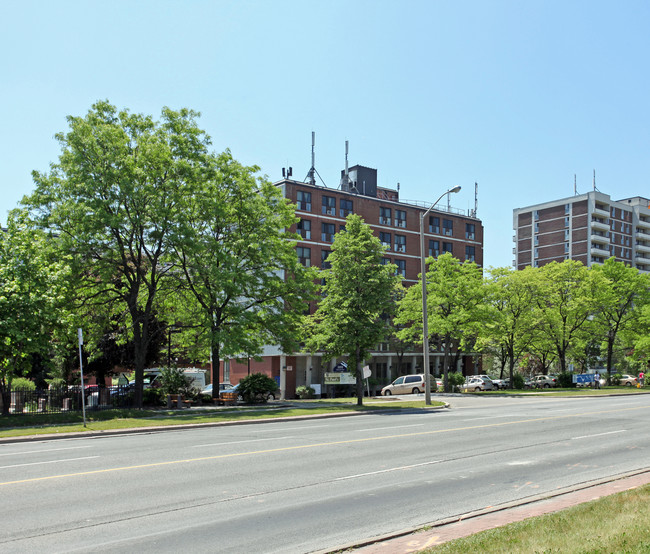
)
(311, 175)
(475, 198)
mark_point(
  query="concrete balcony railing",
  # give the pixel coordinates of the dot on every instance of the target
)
(600, 239)
(600, 225)
(601, 212)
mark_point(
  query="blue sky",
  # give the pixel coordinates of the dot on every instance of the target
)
(518, 96)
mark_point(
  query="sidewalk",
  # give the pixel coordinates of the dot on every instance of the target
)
(413, 540)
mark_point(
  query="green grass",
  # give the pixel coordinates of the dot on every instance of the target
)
(21, 425)
(616, 523)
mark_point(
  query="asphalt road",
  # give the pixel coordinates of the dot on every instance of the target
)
(303, 486)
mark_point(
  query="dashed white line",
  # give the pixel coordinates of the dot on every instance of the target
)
(39, 451)
(240, 442)
(401, 468)
(599, 434)
(49, 462)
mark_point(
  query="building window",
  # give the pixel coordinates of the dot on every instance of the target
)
(470, 253)
(434, 225)
(567, 209)
(536, 252)
(345, 207)
(567, 234)
(304, 228)
(385, 239)
(566, 247)
(536, 215)
(566, 221)
(536, 240)
(537, 227)
(470, 231)
(304, 201)
(329, 205)
(400, 218)
(324, 264)
(384, 216)
(400, 243)
(448, 247)
(304, 255)
(327, 232)
(384, 261)
(401, 267)
(342, 227)
(434, 248)
(448, 227)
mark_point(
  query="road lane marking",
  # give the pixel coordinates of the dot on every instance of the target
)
(599, 434)
(400, 468)
(392, 427)
(39, 451)
(317, 445)
(240, 442)
(49, 462)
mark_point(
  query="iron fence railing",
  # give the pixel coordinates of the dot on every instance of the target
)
(67, 399)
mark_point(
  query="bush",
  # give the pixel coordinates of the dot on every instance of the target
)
(174, 381)
(305, 392)
(565, 380)
(152, 397)
(22, 384)
(256, 388)
(518, 381)
(455, 380)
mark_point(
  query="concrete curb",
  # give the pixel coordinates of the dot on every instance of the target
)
(183, 426)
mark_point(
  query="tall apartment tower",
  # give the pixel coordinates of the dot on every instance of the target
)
(587, 227)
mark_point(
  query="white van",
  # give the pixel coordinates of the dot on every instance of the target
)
(408, 384)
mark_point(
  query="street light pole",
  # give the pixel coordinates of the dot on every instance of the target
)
(425, 327)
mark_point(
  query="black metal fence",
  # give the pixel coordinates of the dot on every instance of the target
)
(67, 399)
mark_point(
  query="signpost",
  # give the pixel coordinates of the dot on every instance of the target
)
(81, 367)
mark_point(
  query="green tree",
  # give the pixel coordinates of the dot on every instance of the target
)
(455, 306)
(239, 267)
(112, 199)
(34, 294)
(566, 300)
(509, 327)
(358, 299)
(623, 293)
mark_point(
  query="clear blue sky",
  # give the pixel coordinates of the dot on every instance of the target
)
(518, 96)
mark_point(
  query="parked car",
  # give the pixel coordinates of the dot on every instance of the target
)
(477, 384)
(499, 384)
(408, 384)
(488, 378)
(543, 382)
(222, 387)
(628, 380)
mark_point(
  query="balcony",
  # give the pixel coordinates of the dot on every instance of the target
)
(645, 223)
(599, 238)
(642, 247)
(597, 250)
(602, 212)
(643, 232)
(600, 224)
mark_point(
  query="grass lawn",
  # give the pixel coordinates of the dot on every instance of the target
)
(616, 523)
(21, 425)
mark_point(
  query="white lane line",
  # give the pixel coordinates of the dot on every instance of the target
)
(240, 442)
(306, 427)
(599, 434)
(39, 451)
(393, 427)
(50, 462)
(401, 468)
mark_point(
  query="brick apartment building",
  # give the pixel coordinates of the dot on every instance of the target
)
(396, 223)
(587, 227)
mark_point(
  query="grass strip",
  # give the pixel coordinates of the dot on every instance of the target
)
(616, 523)
(22, 425)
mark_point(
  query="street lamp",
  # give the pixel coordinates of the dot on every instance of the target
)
(425, 328)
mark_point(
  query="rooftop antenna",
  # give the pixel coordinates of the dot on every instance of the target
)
(475, 198)
(575, 185)
(311, 179)
(595, 180)
(346, 183)
(286, 173)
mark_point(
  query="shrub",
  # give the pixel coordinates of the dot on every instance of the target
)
(565, 380)
(256, 388)
(22, 384)
(174, 381)
(455, 380)
(518, 381)
(152, 397)
(305, 392)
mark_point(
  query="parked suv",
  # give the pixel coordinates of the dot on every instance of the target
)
(408, 384)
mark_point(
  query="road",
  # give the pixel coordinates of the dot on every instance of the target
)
(303, 486)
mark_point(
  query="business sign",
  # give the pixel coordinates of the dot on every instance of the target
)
(341, 367)
(583, 378)
(332, 378)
